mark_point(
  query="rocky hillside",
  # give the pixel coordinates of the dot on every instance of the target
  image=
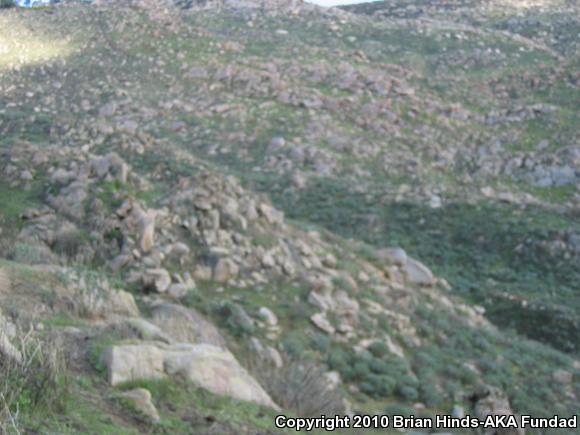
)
(214, 213)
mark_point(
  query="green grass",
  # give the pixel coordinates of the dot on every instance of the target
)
(185, 408)
(17, 200)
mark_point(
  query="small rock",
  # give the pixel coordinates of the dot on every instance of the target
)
(225, 270)
(458, 412)
(140, 399)
(146, 222)
(322, 323)
(268, 316)
(159, 278)
(563, 376)
(26, 176)
(108, 110)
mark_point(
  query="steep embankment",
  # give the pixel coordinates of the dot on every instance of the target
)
(180, 186)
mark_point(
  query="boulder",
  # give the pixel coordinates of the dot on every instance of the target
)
(122, 303)
(148, 331)
(7, 349)
(272, 215)
(216, 370)
(563, 377)
(268, 316)
(225, 270)
(322, 323)
(186, 324)
(140, 400)
(417, 273)
(491, 401)
(393, 256)
(131, 362)
(159, 279)
(146, 223)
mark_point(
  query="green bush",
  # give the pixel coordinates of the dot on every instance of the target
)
(6, 3)
(34, 381)
(379, 366)
(396, 409)
(430, 395)
(378, 349)
(410, 394)
(295, 345)
(320, 342)
(338, 360)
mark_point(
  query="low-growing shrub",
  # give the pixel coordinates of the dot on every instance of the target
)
(235, 319)
(295, 344)
(32, 378)
(300, 387)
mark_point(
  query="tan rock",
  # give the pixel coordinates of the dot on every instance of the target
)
(7, 349)
(140, 399)
(417, 273)
(225, 270)
(216, 370)
(148, 331)
(393, 256)
(268, 316)
(322, 323)
(131, 362)
(491, 401)
(158, 278)
(186, 324)
(122, 303)
(272, 215)
(146, 223)
(202, 273)
(563, 376)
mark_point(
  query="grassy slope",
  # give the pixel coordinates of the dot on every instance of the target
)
(470, 242)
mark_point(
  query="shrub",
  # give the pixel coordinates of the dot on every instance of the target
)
(294, 344)
(378, 386)
(378, 349)
(338, 360)
(6, 3)
(430, 394)
(33, 378)
(396, 409)
(410, 394)
(300, 387)
(360, 370)
(379, 366)
(320, 342)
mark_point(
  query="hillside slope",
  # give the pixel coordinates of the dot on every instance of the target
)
(317, 210)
